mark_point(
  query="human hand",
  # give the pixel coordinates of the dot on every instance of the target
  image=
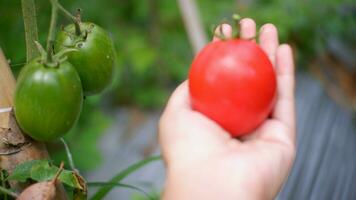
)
(204, 162)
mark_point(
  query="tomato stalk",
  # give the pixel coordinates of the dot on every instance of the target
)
(76, 20)
(48, 58)
(51, 33)
(69, 155)
(236, 19)
(220, 33)
(235, 28)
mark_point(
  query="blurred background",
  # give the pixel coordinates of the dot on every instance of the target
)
(156, 41)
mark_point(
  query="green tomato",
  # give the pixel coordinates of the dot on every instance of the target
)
(48, 100)
(95, 59)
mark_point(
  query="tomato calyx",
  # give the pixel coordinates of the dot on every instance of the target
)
(235, 29)
(57, 59)
(78, 40)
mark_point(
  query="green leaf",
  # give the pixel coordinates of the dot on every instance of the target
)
(82, 140)
(43, 172)
(47, 172)
(22, 172)
(102, 192)
(72, 179)
(153, 194)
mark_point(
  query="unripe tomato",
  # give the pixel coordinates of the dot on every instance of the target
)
(48, 100)
(233, 82)
(95, 59)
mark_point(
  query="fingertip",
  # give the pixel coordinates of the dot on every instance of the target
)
(248, 28)
(268, 37)
(268, 28)
(224, 29)
(284, 54)
(247, 22)
(285, 48)
(284, 60)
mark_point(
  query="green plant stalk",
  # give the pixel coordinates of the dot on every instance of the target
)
(75, 20)
(51, 32)
(69, 155)
(30, 23)
(102, 192)
(100, 184)
(3, 183)
(8, 192)
(52, 28)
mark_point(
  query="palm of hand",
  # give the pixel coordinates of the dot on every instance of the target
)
(202, 158)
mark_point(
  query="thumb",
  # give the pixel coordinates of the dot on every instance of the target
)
(183, 131)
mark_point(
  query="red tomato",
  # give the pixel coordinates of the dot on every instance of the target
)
(233, 83)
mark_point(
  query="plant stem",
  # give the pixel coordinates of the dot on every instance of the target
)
(8, 192)
(101, 184)
(3, 183)
(69, 155)
(102, 192)
(31, 34)
(51, 32)
(75, 20)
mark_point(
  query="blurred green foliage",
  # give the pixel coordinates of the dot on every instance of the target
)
(152, 46)
(308, 25)
(153, 195)
(83, 138)
(153, 51)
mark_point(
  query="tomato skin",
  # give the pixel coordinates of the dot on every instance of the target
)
(94, 61)
(233, 83)
(48, 100)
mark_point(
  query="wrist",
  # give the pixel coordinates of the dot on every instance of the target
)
(202, 184)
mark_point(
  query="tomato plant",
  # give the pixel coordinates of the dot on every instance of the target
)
(95, 59)
(48, 99)
(233, 82)
(47, 104)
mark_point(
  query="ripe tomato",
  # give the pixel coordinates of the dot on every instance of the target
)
(94, 61)
(48, 100)
(233, 82)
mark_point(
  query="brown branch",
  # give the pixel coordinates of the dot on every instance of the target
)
(16, 147)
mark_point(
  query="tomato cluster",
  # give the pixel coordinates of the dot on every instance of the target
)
(233, 82)
(49, 95)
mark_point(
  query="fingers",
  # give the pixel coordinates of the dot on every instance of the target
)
(222, 29)
(247, 29)
(268, 40)
(284, 110)
(247, 26)
(183, 131)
